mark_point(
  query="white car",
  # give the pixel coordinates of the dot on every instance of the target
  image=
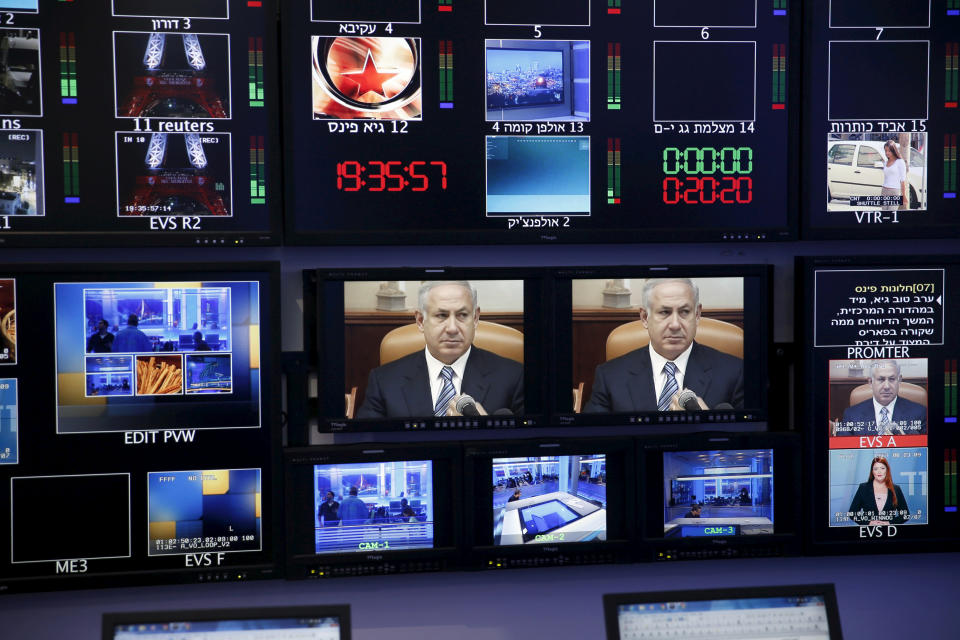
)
(855, 168)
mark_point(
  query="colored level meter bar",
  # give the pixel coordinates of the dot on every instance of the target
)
(255, 90)
(950, 389)
(445, 6)
(71, 168)
(254, 3)
(779, 76)
(779, 7)
(258, 182)
(446, 74)
(613, 7)
(950, 480)
(613, 171)
(952, 64)
(953, 7)
(613, 75)
(950, 165)
(68, 68)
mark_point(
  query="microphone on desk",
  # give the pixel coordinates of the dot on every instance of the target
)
(467, 406)
(688, 400)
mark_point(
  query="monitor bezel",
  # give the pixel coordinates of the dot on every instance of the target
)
(323, 341)
(737, 420)
(786, 470)
(477, 532)
(271, 529)
(613, 600)
(447, 538)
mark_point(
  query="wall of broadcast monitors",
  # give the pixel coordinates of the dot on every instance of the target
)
(494, 121)
(571, 344)
(877, 73)
(880, 398)
(139, 122)
(139, 424)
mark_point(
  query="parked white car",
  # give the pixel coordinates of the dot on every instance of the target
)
(855, 168)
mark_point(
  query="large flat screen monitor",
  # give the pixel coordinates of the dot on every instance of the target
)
(539, 122)
(880, 400)
(800, 611)
(536, 503)
(138, 402)
(890, 167)
(663, 347)
(324, 622)
(427, 349)
(720, 495)
(359, 509)
(143, 122)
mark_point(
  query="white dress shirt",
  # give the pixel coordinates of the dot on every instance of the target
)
(657, 361)
(434, 367)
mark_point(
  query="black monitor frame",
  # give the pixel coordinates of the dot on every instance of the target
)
(480, 553)
(301, 559)
(757, 317)
(611, 601)
(324, 327)
(938, 534)
(788, 515)
(137, 452)
(98, 119)
(341, 611)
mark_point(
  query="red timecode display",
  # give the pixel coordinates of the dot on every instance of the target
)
(391, 175)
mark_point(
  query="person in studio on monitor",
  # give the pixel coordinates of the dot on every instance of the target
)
(651, 378)
(426, 383)
(886, 413)
(878, 500)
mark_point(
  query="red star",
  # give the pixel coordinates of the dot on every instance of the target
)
(370, 78)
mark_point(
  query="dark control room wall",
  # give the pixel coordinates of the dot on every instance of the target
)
(563, 602)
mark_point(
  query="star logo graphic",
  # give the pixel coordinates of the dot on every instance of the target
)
(369, 78)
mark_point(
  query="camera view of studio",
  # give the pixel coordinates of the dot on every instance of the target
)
(549, 499)
(157, 319)
(718, 493)
(365, 506)
(538, 80)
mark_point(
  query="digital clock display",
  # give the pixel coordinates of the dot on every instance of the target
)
(391, 175)
(724, 175)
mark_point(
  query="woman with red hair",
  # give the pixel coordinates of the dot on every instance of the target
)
(878, 501)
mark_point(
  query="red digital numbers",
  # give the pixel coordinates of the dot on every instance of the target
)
(708, 190)
(391, 175)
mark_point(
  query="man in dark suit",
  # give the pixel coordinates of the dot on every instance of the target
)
(650, 378)
(428, 382)
(886, 413)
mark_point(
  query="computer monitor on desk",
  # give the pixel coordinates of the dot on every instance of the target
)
(798, 611)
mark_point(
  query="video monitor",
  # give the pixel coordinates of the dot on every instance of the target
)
(143, 397)
(534, 503)
(539, 122)
(175, 349)
(313, 622)
(533, 80)
(678, 347)
(427, 349)
(148, 123)
(355, 509)
(890, 169)
(791, 611)
(880, 399)
(706, 490)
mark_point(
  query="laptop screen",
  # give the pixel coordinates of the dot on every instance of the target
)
(724, 616)
(285, 624)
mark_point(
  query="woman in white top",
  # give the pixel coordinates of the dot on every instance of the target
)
(894, 176)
